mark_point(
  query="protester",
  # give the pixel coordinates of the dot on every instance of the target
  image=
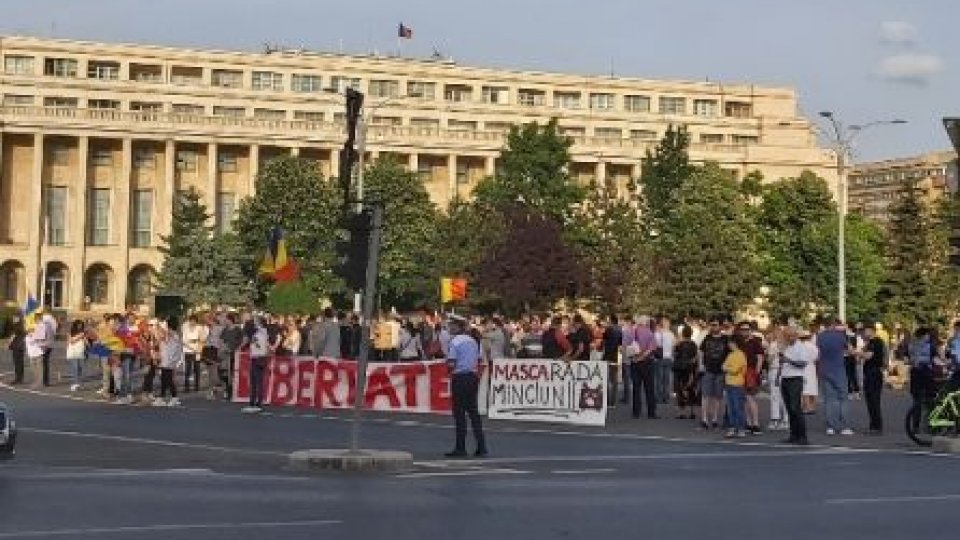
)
(833, 344)
(874, 357)
(260, 351)
(410, 347)
(641, 355)
(811, 385)
(610, 347)
(580, 340)
(554, 343)
(325, 336)
(18, 348)
(50, 337)
(666, 341)
(685, 374)
(76, 352)
(150, 349)
(194, 336)
(754, 352)
(210, 353)
(35, 350)
(734, 369)
(921, 357)
(464, 359)
(714, 349)
(171, 357)
(775, 347)
(793, 361)
(232, 339)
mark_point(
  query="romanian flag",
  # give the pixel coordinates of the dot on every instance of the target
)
(404, 32)
(277, 264)
(30, 308)
(452, 290)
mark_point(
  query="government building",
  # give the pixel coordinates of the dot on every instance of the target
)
(97, 139)
(873, 187)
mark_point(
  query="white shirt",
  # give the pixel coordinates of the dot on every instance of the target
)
(804, 352)
(666, 341)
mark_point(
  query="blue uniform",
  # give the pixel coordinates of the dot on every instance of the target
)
(464, 354)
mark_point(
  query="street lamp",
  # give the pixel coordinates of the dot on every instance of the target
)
(841, 140)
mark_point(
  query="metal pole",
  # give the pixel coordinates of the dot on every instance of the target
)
(841, 234)
(362, 150)
(369, 294)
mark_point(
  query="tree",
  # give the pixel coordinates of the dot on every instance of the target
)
(291, 298)
(532, 170)
(465, 234)
(406, 278)
(292, 194)
(705, 261)
(206, 268)
(664, 172)
(533, 266)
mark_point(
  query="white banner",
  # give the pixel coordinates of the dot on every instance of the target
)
(549, 391)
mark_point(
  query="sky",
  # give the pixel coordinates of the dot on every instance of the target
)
(865, 60)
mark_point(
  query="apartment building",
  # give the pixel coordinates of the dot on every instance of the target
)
(873, 187)
(98, 138)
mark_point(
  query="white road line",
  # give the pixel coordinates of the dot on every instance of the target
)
(470, 472)
(166, 528)
(584, 471)
(906, 499)
(154, 442)
(668, 456)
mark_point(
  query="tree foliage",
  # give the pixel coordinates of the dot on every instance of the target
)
(292, 298)
(664, 172)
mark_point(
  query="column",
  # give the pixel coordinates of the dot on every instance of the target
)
(295, 151)
(123, 225)
(78, 222)
(169, 187)
(490, 165)
(254, 167)
(600, 174)
(413, 163)
(33, 265)
(210, 197)
(334, 164)
(453, 187)
(374, 156)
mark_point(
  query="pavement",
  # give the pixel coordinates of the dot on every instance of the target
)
(89, 469)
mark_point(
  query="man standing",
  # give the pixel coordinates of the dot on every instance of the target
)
(833, 344)
(259, 358)
(464, 362)
(713, 348)
(629, 333)
(50, 323)
(793, 360)
(641, 367)
(612, 338)
(553, 341)
(325, 336)
(580, 340)
(874, 358)
(666, 341)
(232, 339)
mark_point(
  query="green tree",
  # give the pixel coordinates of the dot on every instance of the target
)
(664, 172)
(206, 268)
(532, 170)
(292, 194)
(465, 233)
(406, 276)
(292, 298)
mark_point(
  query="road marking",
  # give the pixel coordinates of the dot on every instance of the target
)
(584, 471)
(166, 528)
(468, 472)
(906, 499)
(154, 442)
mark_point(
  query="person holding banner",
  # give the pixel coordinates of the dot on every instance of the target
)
(464, 362)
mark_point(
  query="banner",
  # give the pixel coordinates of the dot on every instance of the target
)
(549, 391)
(325, 383)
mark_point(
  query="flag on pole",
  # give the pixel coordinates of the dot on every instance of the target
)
(404, 32)
(452, 290)
(30, 308)
(277, 264)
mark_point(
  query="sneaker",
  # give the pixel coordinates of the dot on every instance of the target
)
(174, 402)
(739, 434)
(847, 432)
(774, 425)
(159, 402)
(831, 432)
(731, 433)
(74, 387)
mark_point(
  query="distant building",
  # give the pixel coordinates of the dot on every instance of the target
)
(874, 187)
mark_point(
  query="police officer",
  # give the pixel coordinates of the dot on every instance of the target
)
(464, 358)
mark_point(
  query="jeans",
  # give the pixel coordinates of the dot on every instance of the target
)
(625, 376)
(122, 375)
(662, 380)
(872, 390)
(46, 366)
(791, 388)
(613, 385)
(257, 367)
(641, 374)
(106, 377)
(18, 363)
(853, 381)
(76, 366)
(463, 388)
(191, 366)
(735, 407)
(835, 403)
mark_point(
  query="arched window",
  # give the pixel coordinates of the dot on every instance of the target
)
(140, 285)
(11, 274)
(97, 284)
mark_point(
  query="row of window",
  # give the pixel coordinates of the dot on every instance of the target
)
(881, 178)
(96, 284)
(144, 158)
(384, 88)
(56, 212)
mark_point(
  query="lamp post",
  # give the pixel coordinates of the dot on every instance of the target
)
(841, 140)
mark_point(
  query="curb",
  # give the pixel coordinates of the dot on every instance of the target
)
(347, 461)
(947, 445)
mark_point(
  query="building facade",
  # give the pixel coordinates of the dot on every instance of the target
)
(97, 139)
(873, 187)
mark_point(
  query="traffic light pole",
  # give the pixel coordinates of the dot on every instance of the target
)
(369, 297)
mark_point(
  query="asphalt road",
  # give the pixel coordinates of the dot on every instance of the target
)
(94, 470)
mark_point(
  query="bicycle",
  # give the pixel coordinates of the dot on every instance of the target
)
(943, 419)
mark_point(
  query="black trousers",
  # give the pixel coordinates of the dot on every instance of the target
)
(641, 373)
(258, 366)
(791, 388)
(46, 366)
(464, 387)
(853, 383)
(18, 363)
(167, 383)
(191, 365)
(923, 392)
(613, 384)
(148, 379)
(872, 389)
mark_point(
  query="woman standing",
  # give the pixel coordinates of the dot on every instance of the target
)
(292, 337)
(734, 369)
(171, 356)
(409, 343)
(685, 374)
(811, 387)
(76, 352)
(150, 348)
(18, 348)
(776, 346)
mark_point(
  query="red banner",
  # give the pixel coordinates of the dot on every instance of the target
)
(326, 383)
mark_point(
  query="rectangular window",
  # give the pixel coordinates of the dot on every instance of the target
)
(737, 109)
(151, 107)
(566, 100)
(636, 103)
(531, 98)
(60, 155)
(306, 83)
(56, 214)
(99, 232)
(384, 89)
(602, 102)
(10, 100)
(386, 121)
(226, 78)
(705, 107)
(103, 104)
(227, 161)
(270, 114)
(502, 127)
(18, 65)
(144, 158)
(463, 173)
(267, 80)
(60, 67)
(458, 93)
(309, 116)
(572, 131)
(673, 105)
(425, 123)
(146, 73)
(104, 71)
(643, 134)
(142, 213)
(744, 139)
(340, 84)
(711, 138)
(188, 110)
(608, 133)
(186, 160)
(101, 157)
(463, 125)
(231, 112)
(495, 94)
(186, 75)
(60, 102)
(226, 211)
(421, 90)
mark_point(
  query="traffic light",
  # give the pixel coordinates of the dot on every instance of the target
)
(352, 248)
